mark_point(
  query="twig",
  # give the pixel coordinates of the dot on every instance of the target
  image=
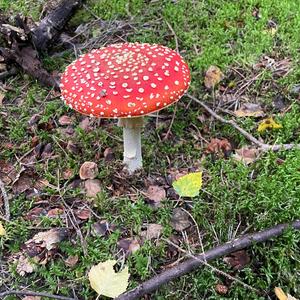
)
(29, 293)
(251, 138)
(171, 124)
(191, 264)
(214, 269)
(175, 36)
(5, 200)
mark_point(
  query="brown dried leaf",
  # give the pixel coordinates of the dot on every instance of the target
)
(156, 194)
(67, 174)
(129, 245)
(102, 228)
(180, 219)
(92, 187)
(24, 265)
(88, 170)
(35, 213)
(65, 120)
(246, 155)
(108, 154)
(237, 260)
(32, 298)
(71, 261)
(212, 77)
(7, 172)
(24, 183)
(50, 238)
(83, 213)
(55, 212)
(221, 289)
(85, 124)
(219, 146)
(153, 231)
(250, 110)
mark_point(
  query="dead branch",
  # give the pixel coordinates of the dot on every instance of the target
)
(51, 26)
(181, 269)
(247, 135)
(24, 43)
(37, 294)
(27, 59)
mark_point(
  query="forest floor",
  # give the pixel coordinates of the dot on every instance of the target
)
(256, 45)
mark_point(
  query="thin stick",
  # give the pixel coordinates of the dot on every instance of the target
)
(171, 124)
(29, 293)
(190, 265)
(214, 269)
(175, 36)
(251, 138)
(5, 200)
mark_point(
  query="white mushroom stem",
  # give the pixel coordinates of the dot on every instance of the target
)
(132, 128)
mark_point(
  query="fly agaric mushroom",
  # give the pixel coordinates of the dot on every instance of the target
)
(125, 81)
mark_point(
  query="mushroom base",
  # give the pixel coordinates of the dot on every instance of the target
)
(132, 128)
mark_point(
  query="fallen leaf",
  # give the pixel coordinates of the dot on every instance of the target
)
(85, 124)
(280, 294)
(47, 151)
(105, 281)
(212, 77)
(108, 154)
(31, 298)
(65, 120)
(83, 213)
(188, 185)
(102, 228)
(156, 194)
(268, 123)
(271, 31)
(221, 289)
(153, 231)
(67, 174)
(55, 212)
(246, 155)
(237, 260)
(2, 230)
(71, 261)
(219, 146)
(50, 238)
(35, 213)
(73, 148)
(24, 183)
(249, 110)
(24, 265)
(129, 245)
(92, 187)
(88, 170)
(180, 219)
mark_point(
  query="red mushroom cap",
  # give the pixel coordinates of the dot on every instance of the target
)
(125, 80)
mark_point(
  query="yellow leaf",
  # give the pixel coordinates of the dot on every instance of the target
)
(268, 123)
(105, 281)
(2, 230)
(188, 185)
(212, 77)
(271, 31)
(280, 294)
